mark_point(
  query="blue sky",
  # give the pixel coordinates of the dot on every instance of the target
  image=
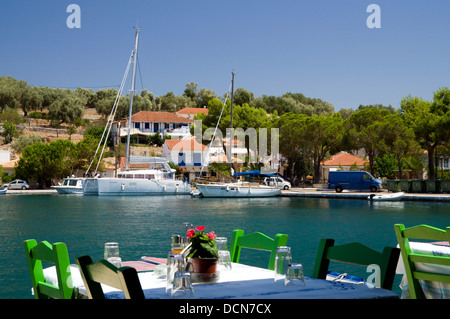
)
(323, 49)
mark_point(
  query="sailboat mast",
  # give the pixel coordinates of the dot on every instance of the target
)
(231, 123)
(127, 161)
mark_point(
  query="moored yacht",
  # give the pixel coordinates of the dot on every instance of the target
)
(236, 190)
(158, 179)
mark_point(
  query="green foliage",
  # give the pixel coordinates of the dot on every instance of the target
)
(86, 150)
(9, 131)
(36, 115)
(66, 110)
(293, 103)
(220, 169)
(72, 129)
(203, 244)
(41, 161)
(363, 129)
(199, 98)
(95, 131)
(430, 122)
(156, 139)
(385, 165)
(24, 140)
(11, 115)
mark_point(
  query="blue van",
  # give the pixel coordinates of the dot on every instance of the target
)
(340, 180)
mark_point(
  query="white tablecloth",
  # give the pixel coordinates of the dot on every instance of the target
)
(245, 282)
(431, 289)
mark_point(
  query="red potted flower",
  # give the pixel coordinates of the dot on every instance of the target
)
(203, 252)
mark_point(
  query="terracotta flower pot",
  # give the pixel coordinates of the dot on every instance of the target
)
(204, 265)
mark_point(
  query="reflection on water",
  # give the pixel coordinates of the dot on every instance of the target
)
(143, 225)
(391, 206)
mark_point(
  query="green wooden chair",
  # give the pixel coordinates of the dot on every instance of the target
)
(356, 253)
(103, 272)
(257, 241)
(53, 253)
(413, 275)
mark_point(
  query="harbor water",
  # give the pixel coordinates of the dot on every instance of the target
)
(143, 226)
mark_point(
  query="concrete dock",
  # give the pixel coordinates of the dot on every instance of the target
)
(325, 193)
(31, 192)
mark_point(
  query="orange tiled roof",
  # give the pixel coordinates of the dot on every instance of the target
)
(344, 159)
(147, 116)
(185, 145)
(192, 110)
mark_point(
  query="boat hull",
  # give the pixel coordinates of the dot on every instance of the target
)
(384, 198)
(137, 187)
(68, 190)
(236, 191)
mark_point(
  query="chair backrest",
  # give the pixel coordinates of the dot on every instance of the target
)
(257, 241)
(103, 272)
(359, 254)
(52, 253)
(413, 275)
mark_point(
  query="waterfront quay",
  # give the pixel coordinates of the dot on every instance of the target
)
(298, 192)
(330, 193)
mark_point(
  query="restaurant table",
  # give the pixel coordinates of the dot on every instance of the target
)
(431, 289)
(242, 282)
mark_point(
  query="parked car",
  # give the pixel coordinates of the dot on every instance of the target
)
(16, 184)
(357, 180)
(277, 181)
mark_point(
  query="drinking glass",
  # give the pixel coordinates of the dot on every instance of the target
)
(175, 263)
(224, 254)
(282, 258)
(182, 285)
(221, 243)
(224, 259)
(177, 244)
(160, 271)
(294, 271)
(111, 254)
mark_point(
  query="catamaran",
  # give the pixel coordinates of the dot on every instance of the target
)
(157, 179)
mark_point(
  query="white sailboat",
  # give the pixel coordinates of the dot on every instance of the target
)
(237, 189)
(157, 179)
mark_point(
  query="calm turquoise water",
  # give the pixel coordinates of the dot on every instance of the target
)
(143, 225)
